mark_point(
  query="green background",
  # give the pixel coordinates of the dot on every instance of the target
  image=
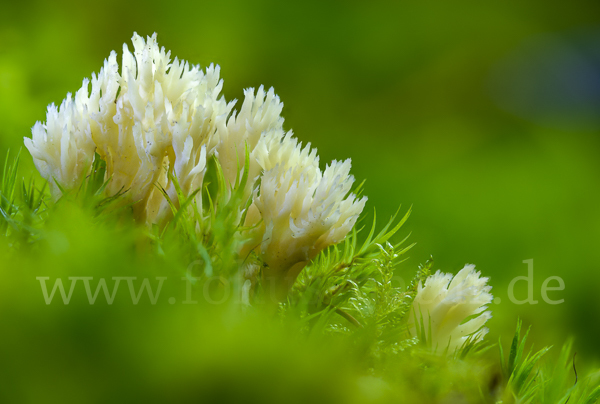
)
(452, 107)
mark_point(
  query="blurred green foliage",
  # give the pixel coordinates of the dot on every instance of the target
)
(402, 88)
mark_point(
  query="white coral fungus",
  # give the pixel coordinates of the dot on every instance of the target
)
(62, 147)
(448, 311)
(159, 120)
(303, 209)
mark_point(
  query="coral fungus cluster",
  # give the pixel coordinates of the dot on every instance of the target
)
(159, 119)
